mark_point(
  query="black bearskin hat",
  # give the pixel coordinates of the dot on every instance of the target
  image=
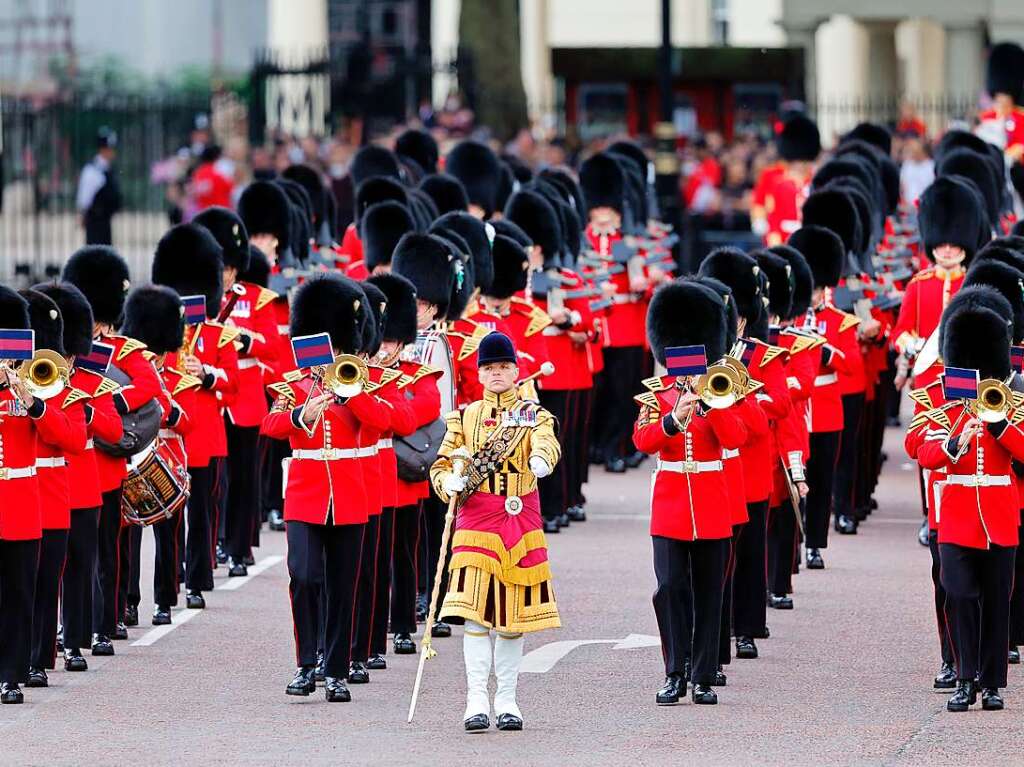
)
(423, 208)
(75, 312)
(732, 317)
(739, 272)
(330, 304)
(420, 147)
(1014, 241)
(960, 139)
(803, 280)
(373, 330)
(311, 181)
(876, 135)
(13, 310)
(566, 183)
(824, 252)
(1018, 228)
(1000, 254)
(950, 213)
(686, 313)
(833, 209)
(507, 185)
(155, 315)
(446, 191)
(374, 161)
(511, 268)
(229, 232)
(603, 182)
(541, 222)
(264, 209)
(44, 317)
(779, 274)
(799, 139)
(188, 260)
(963, 162)
(520, 170)
(975, 332)
(1005, 71)
(513, 231)
(258, 272)
(462, 272)
(400, 317)
(477, 167)
(383, 225)
(102, 276)
(425, 260)
(478, 236)
(378, 189)
(634, 152)
(1008, 281)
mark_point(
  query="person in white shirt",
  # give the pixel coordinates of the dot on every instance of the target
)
(99, 196)
(917, 171)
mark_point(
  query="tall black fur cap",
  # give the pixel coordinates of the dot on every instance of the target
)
(76, 313)
(507, 186)
(1008, 281)
(312, 182)
(632, 150)
(571, 190)
(258, 272)
(423, 208)
(334, 305)
(420, 146)
(803, 280)
(873, 133)
(833, 209)
(229, 232)
(155, 316)
(603, 182)
(44, 317)
(102, 276)
(13, 310)
(511, 268)
(541, 222)
(823, 251)
(462, 268)
(478, 168)
(383, 225)
(732, 317)
(512, 230)
(478, 236)
(799, 139)
(189, 260)
(373, 330)
(1005, 71)
(446, 191)
(781, 283)
(378, 189)
(400, 317)
(264, 209)
(963, 162)
(739, 271)
(950, 212)
(425, 260)
(975, 332)
(374, 161)
(686, 313)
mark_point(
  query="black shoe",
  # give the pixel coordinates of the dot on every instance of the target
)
(73, 660)
(615, 466)
(634, 459)
(670, 692)
(509, 723)
(441, 630)
(194, 601)
(131, 615)
(1013, 656)
(37, 678)
(551, 526)
(222, 556)
(762, 634)
(404, 645)
(814, 560)
(318, 670)
(922, 533)
(162, 616)
(275, 521)
(336, 691)
(946, 678)
(577, 514)
(846, 525)
(120, 632)
(563, 520)
(745, 648)
(595, 458)
(721, 680)
(60, 639)
(421, 608)
(248, 560)
(237, 570)
(991, 700)
(477, 723)
(11, 693)
(703, 695)
(357, 673)
(101, 645)
(966, 695)
(302, 683)
(377, 663)
(780, 603)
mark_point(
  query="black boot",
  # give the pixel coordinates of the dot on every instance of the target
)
(991, 700)
(302, 683)
(318, 669)
(377, 662)
(101, 645)
(745, 648)
(131, 615)
(336, 691)
(162, 616)
(357, 673)
(74, 661)
(237, 569)
(194, 601)
(615, 466)
(477, 723)
(11, 693)
(703, 695)
(634, 459)
(563, 519)
(551, 526)
(814, 560)
(577, 514)
(222, 556)
(404, 645)
(846, 525)
(721, 680)
(120, 632)
(441, 630)
(780, 603)
(672, 690)
(1014, 655)
(276, 521)
(421, 608)
(37, 678)
(946, 678)
(966, 695)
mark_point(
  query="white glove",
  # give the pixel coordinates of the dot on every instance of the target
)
(539, 467)
(453, 484)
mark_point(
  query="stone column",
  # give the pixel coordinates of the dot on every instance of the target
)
(444, 43)
(965, 59)
(535, 56)
(883, 76)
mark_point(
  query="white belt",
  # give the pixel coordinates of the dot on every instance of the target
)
(168, 434)
(384, 444)
(551, 330)
(28, 471)
(730, 453)
(979, 480)
(51, 463)
(689, 467)
(622, 298)
(283, 329)
(248, 362)
(334, 453)
(89, 444)
(824, 380)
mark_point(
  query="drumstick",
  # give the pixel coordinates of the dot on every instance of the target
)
(545, 370)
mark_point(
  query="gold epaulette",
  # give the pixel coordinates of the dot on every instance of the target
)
(924, 274)
(472, 341)
(283, 389)
(921, 397)
(423, 370)
(387, 375)
(539, 320)
(294, 375)
(150, 356)
(107, 386)
(654, 384)
(918, 420)
(227, 335)
(849, 321)
(648, 399)
(802, 343)
(940, 416)
(73, 396)
(185, 382)
(130, 345)
(264, 297)
(771, 353)
(753, 386)
(472, 310)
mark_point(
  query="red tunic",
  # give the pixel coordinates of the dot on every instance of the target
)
(840, 354)
(778, 197)
(1013, 123)
(572, 364)
(759, 454)
(927, 294)
(51, 459)
(254, 313)
(178, 401)
(351, 246)
(624, 323)
(419, 387)
(102, 421)
(921, 429)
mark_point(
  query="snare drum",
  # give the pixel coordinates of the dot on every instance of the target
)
(156, 487)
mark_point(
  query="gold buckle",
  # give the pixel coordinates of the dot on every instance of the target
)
(689, 467)
(329, 453)
(4, 474)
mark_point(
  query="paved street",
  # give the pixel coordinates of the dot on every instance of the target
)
(844, 679)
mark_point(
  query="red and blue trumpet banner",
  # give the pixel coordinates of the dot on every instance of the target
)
(747, 356)
(311, 351)
(98, 359)
(17, 344)
(1017, 358)
(195, 309)
(686, 360)
(960, 383)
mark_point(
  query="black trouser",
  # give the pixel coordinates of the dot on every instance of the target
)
(945, 647)
(433, 527)
(978, 584)
(697, 569)
(553, 487)
(1017, 598)
(623, 371)
(18, 563)
(218, 504)
(574, 453)
(323, 558)
(587, 408)
(850, 459)
(363, 619)
(165, 564)
(273, 452)
(108, 565)
(53, 550)
(382, 583)
(750, 580)
(821, 465)
(783, 549)
(198, 543)
(403, 569)
(243, 505)
(728, 587)
(77, 582)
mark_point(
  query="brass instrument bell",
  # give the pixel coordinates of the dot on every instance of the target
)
(346, 376)
(46, 374)
(994, 400)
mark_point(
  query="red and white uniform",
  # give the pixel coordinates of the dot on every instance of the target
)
(255, 315)
(839, 357)
(51, 459)
(101, 421)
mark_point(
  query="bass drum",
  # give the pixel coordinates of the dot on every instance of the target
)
(156, 487)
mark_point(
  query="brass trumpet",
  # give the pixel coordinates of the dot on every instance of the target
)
(46, 374)
(720, 386)
(994, 400)
(346, 376)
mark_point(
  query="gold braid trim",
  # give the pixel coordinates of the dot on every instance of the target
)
(530, 576)
(507, 564)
